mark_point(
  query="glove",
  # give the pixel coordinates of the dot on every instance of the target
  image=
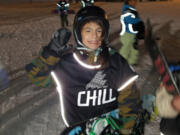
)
(76, 130)
(140, 27)
(73, 131)
(59, 40)
(148, 102)
(164, 103)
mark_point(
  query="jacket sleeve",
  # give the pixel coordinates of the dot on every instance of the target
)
(129, 101)
(129, 105)
(39, 70)
(59, 8)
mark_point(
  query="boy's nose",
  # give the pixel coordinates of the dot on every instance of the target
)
(94, 34)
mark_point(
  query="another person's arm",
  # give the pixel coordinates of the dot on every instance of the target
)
(176, 103)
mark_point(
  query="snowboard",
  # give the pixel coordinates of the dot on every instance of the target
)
(159, 61)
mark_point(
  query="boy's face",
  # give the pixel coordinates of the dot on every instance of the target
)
(91, 34)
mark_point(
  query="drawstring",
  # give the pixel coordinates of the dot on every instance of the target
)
(96, 53)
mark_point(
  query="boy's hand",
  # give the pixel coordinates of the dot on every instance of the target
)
(59, 40)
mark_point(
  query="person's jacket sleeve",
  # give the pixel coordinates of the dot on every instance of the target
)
(138, 24)
(39, 70)
(129, 97)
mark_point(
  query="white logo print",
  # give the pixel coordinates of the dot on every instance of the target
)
(98, 81)
(98, 94)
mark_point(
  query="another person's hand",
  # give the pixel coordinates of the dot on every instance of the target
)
(59, 40)
(164, 103)
(176, 103)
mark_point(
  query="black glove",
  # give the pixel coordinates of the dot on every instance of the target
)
(59, 40)
(140, 27)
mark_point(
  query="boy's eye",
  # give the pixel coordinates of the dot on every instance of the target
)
(87, 30)
(99, 30)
